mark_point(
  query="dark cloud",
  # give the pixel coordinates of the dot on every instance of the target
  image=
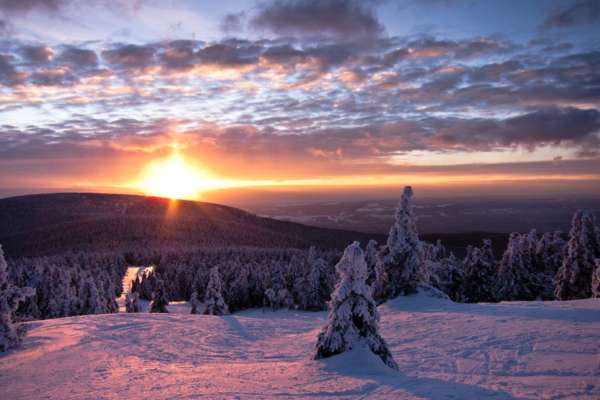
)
(53, 77)
(130, 56)
(78, 58)
(56, 7)
(232, 23)
(225, 55)
(544, 127)
(342, 19)
(37, 54)
(5, 28)
(25, 6)
(573, 14)
(8, 73)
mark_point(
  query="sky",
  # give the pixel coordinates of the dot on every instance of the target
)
(130, 96)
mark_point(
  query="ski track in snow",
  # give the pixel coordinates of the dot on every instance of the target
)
(521, 350)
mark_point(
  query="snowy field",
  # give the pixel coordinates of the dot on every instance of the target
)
(445, 351)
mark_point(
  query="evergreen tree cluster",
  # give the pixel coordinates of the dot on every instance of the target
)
(532, 266)
(10, 297)
(70, 284)
(249, 277)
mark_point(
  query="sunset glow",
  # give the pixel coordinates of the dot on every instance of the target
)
(174, 178)
(296, 93)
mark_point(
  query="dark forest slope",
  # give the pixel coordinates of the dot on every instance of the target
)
(48, 224)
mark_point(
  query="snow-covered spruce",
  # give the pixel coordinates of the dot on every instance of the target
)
(479, 273)
(596, 281)
(159, 298)
(402, 256)
(371, 256)
(195, 303)
(549, 253)
(446, 275)
(574, 278)
(516, 279)
(10, 297)
(315, 285)
(277, 296)
(213, 300)
(353, 317)
(132, 302)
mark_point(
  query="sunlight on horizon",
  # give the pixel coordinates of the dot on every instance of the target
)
(175, 178)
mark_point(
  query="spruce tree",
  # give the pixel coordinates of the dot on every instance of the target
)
(213, 299)
(446, 275)
(93, 302)
(132, 302)
(315, 290)
(402, 256)
(549, 253)
(574, 278)
(371, 256)
(479, 273)
(353, 317)
(516, 279)
(596, 280)
(380, 286)
(10, 297)
(159, 298)
(195, 303)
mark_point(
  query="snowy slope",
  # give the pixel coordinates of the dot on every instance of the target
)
(445, 351)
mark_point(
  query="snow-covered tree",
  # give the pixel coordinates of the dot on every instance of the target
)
(353, 317)
(434, 252)
(159, 298)
(270, 299)
(479, 273)
(315, 288)
(371, 257)
(380, 286)
(195, 303)
(213, 299)
(549, 253)
(516, 279)
(402, 256)
(446, 275)
(596, 280)
(238, 289)
(10, 297)
(574, 278)
(132, 302)
(92, 303)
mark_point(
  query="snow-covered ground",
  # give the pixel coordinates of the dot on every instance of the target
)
(519, 350)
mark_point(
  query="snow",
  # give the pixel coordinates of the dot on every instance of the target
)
(517, 350)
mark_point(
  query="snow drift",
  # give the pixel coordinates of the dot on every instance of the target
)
(520, 350)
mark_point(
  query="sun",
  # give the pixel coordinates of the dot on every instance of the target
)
(174, 178)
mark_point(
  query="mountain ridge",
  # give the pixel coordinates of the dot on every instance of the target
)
(47, 224)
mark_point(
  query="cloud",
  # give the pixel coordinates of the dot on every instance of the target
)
(543, 127)
(577, 13)
(37, 54)
(25, 6)
(5, 28)
(130, 56)
(78, 58)
(8, 73)
(234, 22)
(340, 19)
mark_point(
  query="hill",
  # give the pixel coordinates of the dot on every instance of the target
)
(519, 350)
(48, 224)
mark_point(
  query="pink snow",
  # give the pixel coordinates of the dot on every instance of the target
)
(520, 350)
